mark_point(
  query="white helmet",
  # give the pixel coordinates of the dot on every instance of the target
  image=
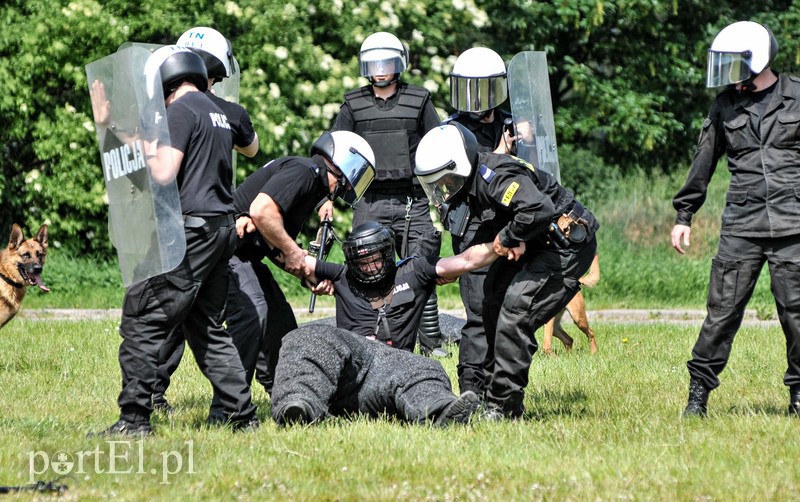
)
(478, 81)
(353, 156)
(445, 158)
(171, 64)
(214, 48)
(740, 51)
(382, 54)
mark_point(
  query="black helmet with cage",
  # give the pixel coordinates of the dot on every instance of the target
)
(369, 254)
(169, 66)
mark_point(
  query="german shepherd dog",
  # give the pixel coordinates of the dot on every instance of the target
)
(21, 265)
(577, 310)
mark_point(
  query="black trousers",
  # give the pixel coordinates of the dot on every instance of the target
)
(258, 316)
(734, 272)
(190, 298)
(520, 298)
(423, 238)
(337, 373)
(472, 346)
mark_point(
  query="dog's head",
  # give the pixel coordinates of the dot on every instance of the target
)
(29, 255)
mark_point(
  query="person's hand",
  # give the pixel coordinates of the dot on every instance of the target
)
(323, 288)
(244, 226)
(516, 253)
(441, 281)
(681, 232)
(295, 262)
(101, 106)
(325, 211)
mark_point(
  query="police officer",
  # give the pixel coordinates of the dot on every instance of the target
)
(392, 116)
(478, 86)
(754, 122)
(190, 297)
(216, 52)
(545, 239)
(275, 202)
(384, 300)
(325, 371)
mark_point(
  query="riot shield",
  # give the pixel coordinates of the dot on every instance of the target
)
(144, 216)
(532, 110)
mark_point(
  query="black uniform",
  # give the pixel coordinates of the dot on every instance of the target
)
(393, 128)
(190, 297)
(335, 372)
(172, 349)
(760, 135)
(518, 204)
(413, 284)
(258, 314)
(472, 345)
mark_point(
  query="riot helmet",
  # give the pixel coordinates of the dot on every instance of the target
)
(739, 53)
(169, 66)
(382, 54)
(353, 161)
(214, 48)
(369, 255)
(445, 159)
(478, 82)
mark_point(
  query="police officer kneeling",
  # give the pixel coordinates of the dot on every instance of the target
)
(544, 236)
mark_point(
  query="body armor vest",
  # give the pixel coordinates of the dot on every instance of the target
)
(391, 131)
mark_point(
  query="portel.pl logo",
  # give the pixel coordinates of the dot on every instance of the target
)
(113, 457)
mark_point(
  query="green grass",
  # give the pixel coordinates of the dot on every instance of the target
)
(597, 428)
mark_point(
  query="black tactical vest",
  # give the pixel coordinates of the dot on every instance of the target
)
(391, 131)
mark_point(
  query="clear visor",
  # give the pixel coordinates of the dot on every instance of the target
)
(380, 62)
(359, 173)
(444, 188)
(726, 68)
(477, 94)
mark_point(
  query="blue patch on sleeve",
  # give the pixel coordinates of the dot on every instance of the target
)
(486, 173)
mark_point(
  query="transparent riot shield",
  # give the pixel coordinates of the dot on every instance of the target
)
(144, 216)
(532, 110)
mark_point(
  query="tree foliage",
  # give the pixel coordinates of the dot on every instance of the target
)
(627, 78)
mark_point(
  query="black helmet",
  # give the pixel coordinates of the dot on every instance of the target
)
(369, 254)
(172, 65)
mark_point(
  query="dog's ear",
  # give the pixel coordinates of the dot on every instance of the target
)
(41, 236)
(16, 238)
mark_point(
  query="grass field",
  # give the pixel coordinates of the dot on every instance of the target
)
(598, 427)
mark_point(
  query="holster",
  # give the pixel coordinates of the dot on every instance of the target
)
(569, 228)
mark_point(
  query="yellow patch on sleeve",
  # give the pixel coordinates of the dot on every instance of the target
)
(510, 191)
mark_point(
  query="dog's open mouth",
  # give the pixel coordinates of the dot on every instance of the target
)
(33, 279)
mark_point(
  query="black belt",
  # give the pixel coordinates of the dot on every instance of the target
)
(397, 189)
(209, 223)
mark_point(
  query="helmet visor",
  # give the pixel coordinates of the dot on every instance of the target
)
(477, 94)
(444, 188)
(376, 62)
(359, 173)
(726, 68)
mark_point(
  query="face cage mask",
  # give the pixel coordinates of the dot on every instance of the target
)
(366, 285)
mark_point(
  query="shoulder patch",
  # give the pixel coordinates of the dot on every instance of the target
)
(509, 193)
(486, 173)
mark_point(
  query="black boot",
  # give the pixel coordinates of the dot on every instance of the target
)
(698, 399)
(794, 401)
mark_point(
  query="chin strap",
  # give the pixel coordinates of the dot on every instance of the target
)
(385, 83)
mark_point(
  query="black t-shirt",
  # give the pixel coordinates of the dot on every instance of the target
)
(200, 130)
(296, 184)
(238, 118)
(413, 285)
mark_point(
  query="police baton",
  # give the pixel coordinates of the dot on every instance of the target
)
(319, 250)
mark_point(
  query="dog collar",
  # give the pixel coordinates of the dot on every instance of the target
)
(11, 282)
